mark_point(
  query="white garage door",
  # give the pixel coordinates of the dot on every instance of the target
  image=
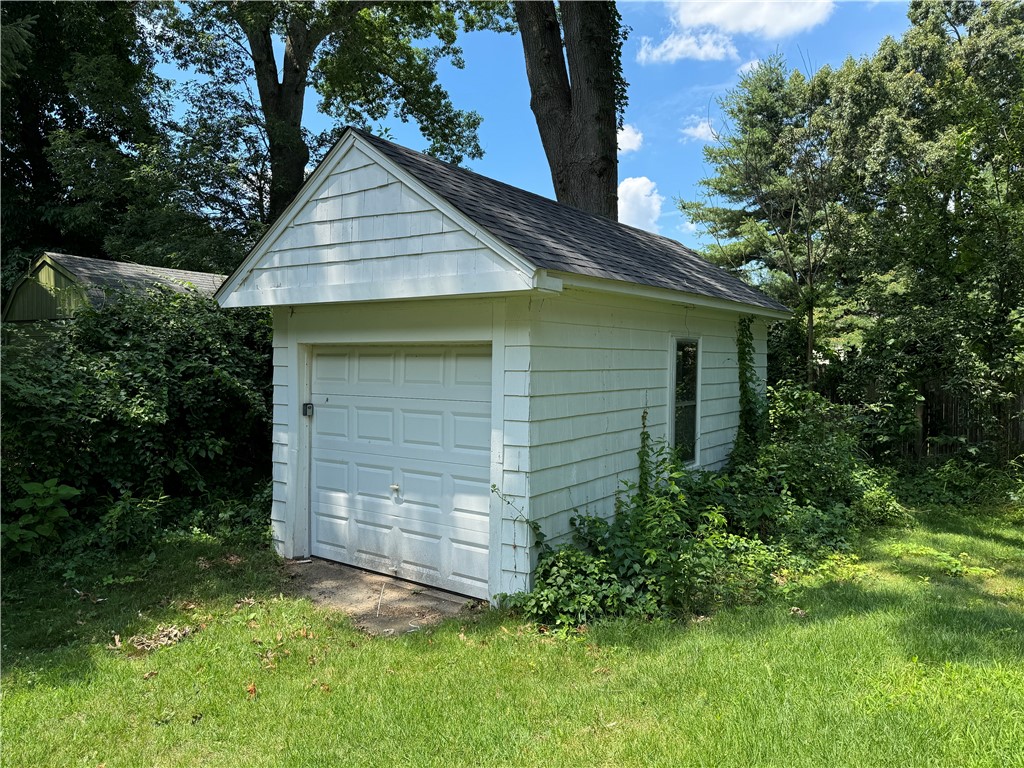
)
(401, 462)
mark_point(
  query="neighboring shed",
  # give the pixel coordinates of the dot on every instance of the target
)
(456, 359)
(58, 285)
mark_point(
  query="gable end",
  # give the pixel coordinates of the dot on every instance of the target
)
(363, 230)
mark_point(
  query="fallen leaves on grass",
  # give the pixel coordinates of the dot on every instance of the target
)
(150, 675)
(163, 636)
(251, 690)
(245, 602)
(800, 613)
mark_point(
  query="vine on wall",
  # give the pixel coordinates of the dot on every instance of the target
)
(752, 425)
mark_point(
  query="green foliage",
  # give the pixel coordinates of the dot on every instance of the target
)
(684, 542)
(94, 161)
(145, 396)
(38, 515)
(813, 447)
(883, 201)
(571, 589)
(752, 426)
(234, 519)
(367, 62)
(958, 481)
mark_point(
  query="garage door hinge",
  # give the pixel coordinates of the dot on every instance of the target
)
(307, 409)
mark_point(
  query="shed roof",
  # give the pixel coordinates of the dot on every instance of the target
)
(560, 238)
(58, 284)
(100, 276)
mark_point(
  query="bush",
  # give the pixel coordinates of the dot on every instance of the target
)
(960, 481)
(684, 542)
(36, 517)
(659, 557)
(162, 394)
(571, 588)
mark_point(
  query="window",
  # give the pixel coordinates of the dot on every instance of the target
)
(686, 400)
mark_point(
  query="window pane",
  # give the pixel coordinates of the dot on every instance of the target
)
(686, 432)
(686, 400)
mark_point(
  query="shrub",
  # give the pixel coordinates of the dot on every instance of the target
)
(571, 588)
(147, 396)
(659, 557)
(36, 517)
(685, 542)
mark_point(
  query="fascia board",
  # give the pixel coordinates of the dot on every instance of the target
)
(664, 294)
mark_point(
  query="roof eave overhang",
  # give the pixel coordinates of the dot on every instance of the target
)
(636, 290)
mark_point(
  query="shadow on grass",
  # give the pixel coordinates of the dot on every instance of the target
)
(53, 626)
(951, 520)
(931, 615)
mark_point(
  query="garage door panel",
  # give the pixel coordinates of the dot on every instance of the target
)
(449, 430)
(375, 425)
(423, 491)
(425, 368)
(472, 370)
(333, 421)
(422, 428)
(331, 533)
(415, 373)
(332, 368)
(330, 474)
(472, 433)
(374, 368)
(414, 418)
(373, 482)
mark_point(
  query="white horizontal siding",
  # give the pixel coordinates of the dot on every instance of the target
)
(594, 364)
(366, 235)
(281, 426)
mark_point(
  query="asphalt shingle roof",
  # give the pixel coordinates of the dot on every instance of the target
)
(99, 276)
(560, 238)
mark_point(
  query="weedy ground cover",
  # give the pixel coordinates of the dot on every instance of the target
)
(909, 653)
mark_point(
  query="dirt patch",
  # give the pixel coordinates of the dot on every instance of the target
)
(377, 604)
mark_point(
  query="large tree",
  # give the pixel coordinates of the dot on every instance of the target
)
(93, 161)
(930, 132)
(578, 97)
(366, 60)
(897, 181)
(771, 202)
(80, 68)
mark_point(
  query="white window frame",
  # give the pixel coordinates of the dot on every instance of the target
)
(671, 405)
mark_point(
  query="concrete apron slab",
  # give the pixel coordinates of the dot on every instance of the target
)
(376, 603)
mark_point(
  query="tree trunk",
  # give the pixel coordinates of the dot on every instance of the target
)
(573, 97)
(810, 344)
(282, 103)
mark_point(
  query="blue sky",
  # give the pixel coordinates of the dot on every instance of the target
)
(680, 57)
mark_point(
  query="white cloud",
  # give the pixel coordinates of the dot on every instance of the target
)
(703, 29)
(698, 128)
(749, 66)
(640, 203)
(630, 139)
(703, 46)
(771, 19)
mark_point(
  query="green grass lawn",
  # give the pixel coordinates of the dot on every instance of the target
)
(912, 656)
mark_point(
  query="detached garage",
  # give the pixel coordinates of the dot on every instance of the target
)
(456, 359)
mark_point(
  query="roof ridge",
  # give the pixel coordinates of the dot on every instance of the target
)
(135, 264)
